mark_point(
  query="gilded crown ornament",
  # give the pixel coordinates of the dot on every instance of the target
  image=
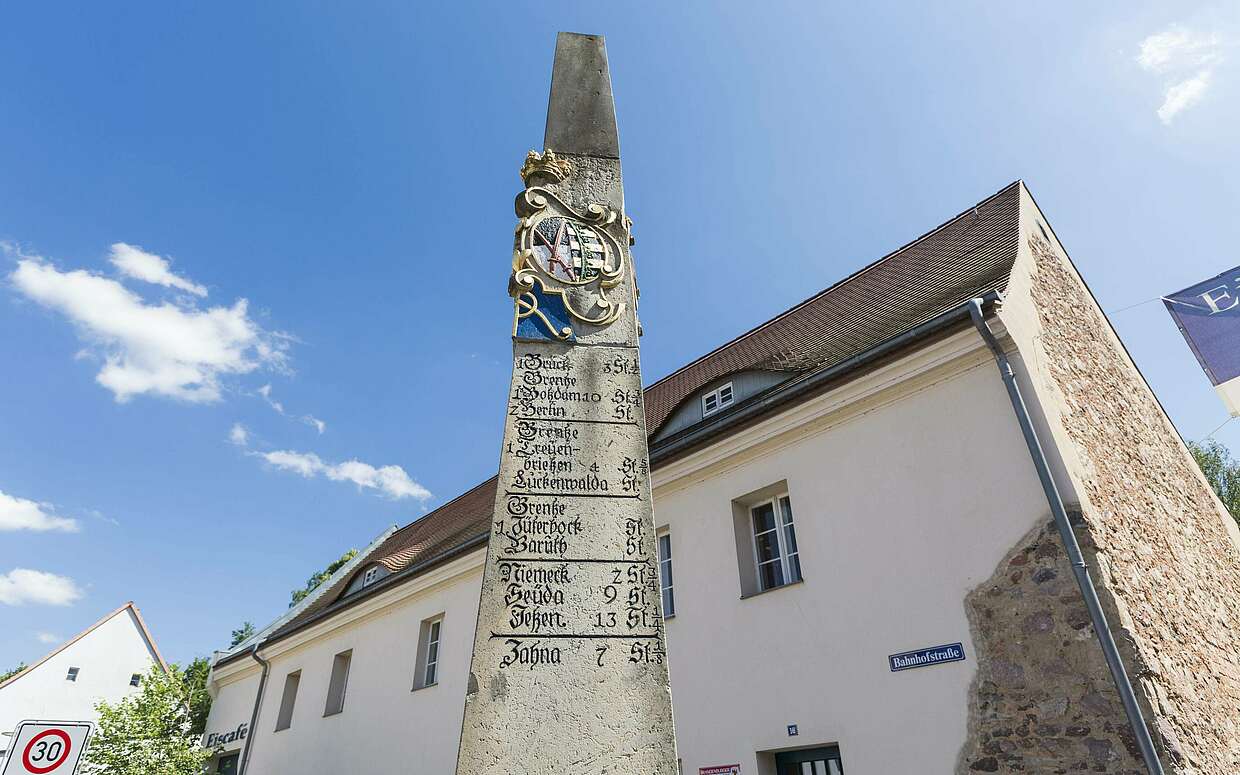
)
(544, 168)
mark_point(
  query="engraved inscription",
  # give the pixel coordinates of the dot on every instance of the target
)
(570, 544)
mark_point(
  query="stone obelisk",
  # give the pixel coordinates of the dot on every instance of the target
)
(569, 672)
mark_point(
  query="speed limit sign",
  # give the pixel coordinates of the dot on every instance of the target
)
(46, 748)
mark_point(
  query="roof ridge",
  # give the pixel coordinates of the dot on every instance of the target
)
(837, 284)
(146, 633)
(295, 610)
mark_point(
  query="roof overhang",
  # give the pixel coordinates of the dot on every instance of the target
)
(808, 384)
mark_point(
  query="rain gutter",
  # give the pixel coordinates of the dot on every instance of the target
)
(799, 388)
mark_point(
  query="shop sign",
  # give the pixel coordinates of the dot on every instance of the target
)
(220, 739)
(720, 769)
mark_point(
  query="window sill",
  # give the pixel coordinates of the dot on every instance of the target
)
(333, 713)
(427, 686)
(773, 589)
(281, 729)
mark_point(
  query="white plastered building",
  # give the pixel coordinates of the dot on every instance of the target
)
(845, 504)
(105, 662)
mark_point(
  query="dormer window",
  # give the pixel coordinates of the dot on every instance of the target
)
(717, 399)
(367, 578)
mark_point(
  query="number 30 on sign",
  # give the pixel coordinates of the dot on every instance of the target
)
(46, 748)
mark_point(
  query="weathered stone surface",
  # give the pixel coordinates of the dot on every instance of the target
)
(570, 647)
(1163, 553)
(569, 672)
(1042, 700)
(1168, 563)
(581, 116)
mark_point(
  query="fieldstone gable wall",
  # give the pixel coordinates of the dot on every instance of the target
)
(1167, 559)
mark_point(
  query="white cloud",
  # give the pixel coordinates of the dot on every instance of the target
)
(1183, 95)
(21, 514)
(307, 464)
(22, 585)
(265, 392)
(1187, 60)
(391, 481)
(308, 419)
(168, 349)
(48, 638)
(239, 435)
(1178, 47)
(133, 261)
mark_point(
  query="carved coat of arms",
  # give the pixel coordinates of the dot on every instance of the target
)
(564, 261)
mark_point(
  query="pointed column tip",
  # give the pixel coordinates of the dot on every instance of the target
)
(581, 113)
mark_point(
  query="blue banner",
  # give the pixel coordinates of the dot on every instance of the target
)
(935, 655)
(1208, 314)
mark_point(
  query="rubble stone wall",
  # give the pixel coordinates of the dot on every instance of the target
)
(1163, 551)
(1030, 711)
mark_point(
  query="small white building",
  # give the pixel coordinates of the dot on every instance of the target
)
(860, 569)
(106, 661)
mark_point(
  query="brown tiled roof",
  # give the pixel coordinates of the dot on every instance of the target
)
(971, 253)
(447, 527)
(964, 257)
(452, 523)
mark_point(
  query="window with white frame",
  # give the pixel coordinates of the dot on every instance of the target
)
(665, 575)
(73, 674)
(427, 673)
(135, 679)
(716, 399)
(775, 543)
(366, 578)
(431, 671)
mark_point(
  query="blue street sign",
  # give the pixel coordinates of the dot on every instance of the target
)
(935, 655)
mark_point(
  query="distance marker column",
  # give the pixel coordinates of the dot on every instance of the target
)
(569, 670)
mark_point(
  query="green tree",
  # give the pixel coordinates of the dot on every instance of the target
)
(151, 731)
(314, 581)
(7, 674)
(240, 634)
(199, 699)
(1222, 472)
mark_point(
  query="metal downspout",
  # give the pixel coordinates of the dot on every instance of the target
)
(1079, 568)
(258, 701)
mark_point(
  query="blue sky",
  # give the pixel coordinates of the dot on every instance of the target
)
(348, 170)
